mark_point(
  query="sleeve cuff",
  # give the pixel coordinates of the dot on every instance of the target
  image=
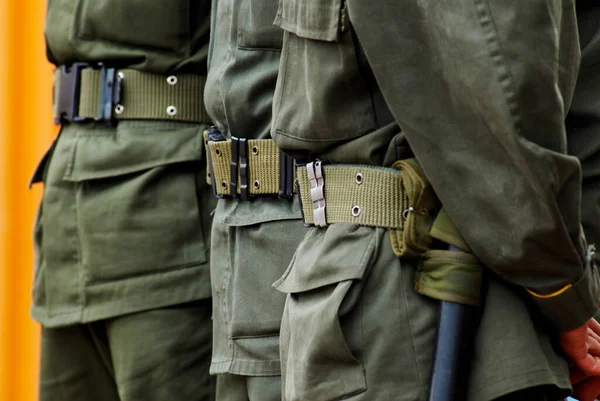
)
(574, 304)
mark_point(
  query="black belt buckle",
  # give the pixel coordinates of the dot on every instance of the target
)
(243, 148)
(69, 94)
(239, 163)
(286, 176)
(110, 94)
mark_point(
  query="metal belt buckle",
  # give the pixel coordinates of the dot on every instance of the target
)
(69, 94)
(239, 162)
(213, 135)
(286, 176)
(317, 192)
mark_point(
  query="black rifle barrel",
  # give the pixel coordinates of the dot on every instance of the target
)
(457, 326)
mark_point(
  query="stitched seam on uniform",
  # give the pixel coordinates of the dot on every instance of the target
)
(227, 287)
(163, 271)
(496, 53)
(283, 66)
(279, 131)
(267, 49)
(512, 380)
(412, 334)
(82, 270)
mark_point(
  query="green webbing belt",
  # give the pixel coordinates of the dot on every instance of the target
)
(145, 96)
(263, 166)
(402, 200)
(357, 194)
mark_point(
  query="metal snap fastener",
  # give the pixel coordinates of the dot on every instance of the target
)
(359, 178)
(119, 109)
(256, 184)
(172, 80)
(120, 75)
(255, 150)
(171, 110)
(355, 211)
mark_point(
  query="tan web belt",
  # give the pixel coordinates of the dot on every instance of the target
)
(244, 168)
(356, 194)
(86, 92)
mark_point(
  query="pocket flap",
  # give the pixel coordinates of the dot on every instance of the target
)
(131, 150)
(310, 19)
(341, 252)
(40, 169)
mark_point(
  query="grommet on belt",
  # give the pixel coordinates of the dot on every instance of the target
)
(317, 192)
(171, 110)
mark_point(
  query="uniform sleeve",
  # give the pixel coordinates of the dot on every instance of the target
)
(481, 89)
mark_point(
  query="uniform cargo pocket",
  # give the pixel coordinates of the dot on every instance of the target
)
(138, 198)
(311, 19)
(253, 244)
(103, 153)
(324, 283)
(163, 25)
(255, 26)
(257, 307)
(319, 66)
(39, 172)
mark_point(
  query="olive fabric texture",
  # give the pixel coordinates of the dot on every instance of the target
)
(480, 91)
(83, 362)
(123, 229)
(252, 241)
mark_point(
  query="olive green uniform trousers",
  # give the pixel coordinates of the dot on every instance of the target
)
(161, 354)
(122, 282)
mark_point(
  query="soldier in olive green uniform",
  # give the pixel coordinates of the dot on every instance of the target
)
(253, 240)
(122, 253)
(481, 90)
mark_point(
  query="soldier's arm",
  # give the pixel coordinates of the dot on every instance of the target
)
(481, 88)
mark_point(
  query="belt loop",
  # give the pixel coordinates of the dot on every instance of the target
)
(317, 192)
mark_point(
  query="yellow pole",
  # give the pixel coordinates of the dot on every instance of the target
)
(25, 132)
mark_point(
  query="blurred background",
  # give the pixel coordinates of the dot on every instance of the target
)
(26, 130)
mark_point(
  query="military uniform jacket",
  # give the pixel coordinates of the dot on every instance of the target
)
(255, 240)
(124, 221)
(480, 91)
